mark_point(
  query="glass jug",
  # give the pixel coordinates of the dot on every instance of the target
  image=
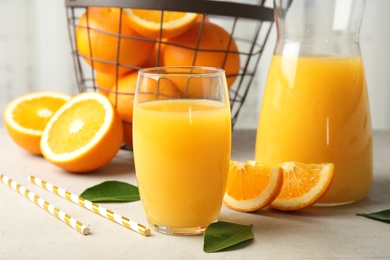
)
(315, 106)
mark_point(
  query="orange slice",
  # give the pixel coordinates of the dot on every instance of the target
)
(148, 23)
(252, 185)
(26, 116)
(303, 185)
(83, 135)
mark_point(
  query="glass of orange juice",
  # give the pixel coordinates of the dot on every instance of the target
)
(181, 145)
(315, 106)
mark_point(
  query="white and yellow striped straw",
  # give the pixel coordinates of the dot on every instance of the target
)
(141, 229)
(73, 223)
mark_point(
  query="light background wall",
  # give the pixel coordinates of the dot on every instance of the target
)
(35, 55)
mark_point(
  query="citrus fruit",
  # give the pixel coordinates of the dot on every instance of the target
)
(149, 23)
(303, 185)
(122, 97)
(128, 134)
(213, 48)
(84, 134)
(252, 185)
(204, 86)
(105, 82)
(26, 116)
(155, 59)
(104, 40)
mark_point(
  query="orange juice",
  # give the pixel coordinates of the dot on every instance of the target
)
(182, 152)
(316, 109)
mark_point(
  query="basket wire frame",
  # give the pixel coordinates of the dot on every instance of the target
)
(248, 25)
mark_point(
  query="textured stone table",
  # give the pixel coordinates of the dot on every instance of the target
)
(28, 232)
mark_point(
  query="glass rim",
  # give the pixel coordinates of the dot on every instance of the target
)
(182, 71)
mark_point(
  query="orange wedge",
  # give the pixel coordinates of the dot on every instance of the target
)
(26, 116)
(83, 135)
(252, 185)
(148, 23)
(303, 185)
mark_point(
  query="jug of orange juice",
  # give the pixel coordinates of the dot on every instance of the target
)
(315, 105)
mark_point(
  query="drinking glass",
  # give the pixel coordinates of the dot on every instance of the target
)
(181, 145)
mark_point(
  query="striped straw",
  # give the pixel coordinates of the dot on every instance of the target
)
(73, 223)
(141, 229)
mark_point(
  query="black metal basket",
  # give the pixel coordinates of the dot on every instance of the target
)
(248, 24)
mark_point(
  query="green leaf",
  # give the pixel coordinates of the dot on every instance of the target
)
(221, 235)
(111, 191)
(383, 215)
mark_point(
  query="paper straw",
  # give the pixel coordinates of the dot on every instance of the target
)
(73, 223)
(141, 229)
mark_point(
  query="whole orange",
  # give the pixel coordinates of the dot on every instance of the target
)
(104, 40)
(214, 48)
(122, 97)
(105, 82)
(155, 58)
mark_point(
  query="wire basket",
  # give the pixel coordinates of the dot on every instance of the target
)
(248, 25)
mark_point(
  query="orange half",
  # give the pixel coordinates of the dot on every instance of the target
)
(25, 117)
(149, 23)
(84, 135)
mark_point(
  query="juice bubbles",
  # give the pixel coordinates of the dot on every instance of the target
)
(182, 153)
(316, 109)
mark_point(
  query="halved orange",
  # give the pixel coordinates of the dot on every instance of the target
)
(252, 185)
(83, 135)
(26, 116)
(149, 23)
(303, 185)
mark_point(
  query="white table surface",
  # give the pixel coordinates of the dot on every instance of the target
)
(28, 232)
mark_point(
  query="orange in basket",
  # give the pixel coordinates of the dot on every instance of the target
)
(155, 59)
(105, 82)
(149, 23)
(97, 41)
(212, 50)
(122, 97)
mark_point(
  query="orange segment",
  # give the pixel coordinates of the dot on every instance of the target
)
(25, 117)
(252, 185)
(84, 135)
(303, 185)
(149, 22)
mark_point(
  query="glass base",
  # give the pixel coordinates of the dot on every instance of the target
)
(178, 231)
